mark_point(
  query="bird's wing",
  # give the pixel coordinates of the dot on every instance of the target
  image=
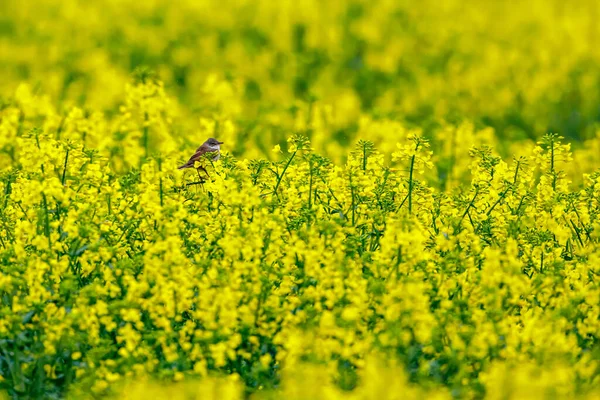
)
(202, 150)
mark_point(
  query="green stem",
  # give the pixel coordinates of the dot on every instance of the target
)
(582, 225)
(46, 220)
(160, 185)
(410, 183)
(396, 268)
(516, 172)
(500, 198)
(469, 207)
(64, 174)
(160, 182)
(552, 156)
(576, 231)
(310, 184)
(353, 207)
(7, 191)
(280, 177)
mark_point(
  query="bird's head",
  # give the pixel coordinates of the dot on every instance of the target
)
(213, 143)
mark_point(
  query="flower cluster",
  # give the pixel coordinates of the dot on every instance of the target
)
(388, 218)
(336, 271)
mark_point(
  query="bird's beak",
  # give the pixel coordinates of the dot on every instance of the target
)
(220, 142)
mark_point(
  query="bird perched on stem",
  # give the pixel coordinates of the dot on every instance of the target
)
(210, 149)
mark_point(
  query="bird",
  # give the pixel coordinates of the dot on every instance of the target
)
(210, 146)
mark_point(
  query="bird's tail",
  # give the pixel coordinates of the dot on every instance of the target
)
(186, 165)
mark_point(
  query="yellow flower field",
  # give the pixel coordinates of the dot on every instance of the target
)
(406, 204)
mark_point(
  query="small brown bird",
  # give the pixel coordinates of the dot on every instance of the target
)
(211, 146)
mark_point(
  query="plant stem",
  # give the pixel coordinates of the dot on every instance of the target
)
(410, 183)
(500, 198)
(64, 174)
(46, 220)
(160, 182)
(280, 177)
(469, 206)
(516, 172)
(310, 184)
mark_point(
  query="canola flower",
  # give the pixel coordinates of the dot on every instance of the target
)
(117, 266)
(389, 217)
